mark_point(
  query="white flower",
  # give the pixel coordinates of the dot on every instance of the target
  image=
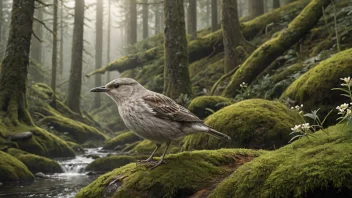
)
(348, 112)
(347, 80)
(296, 128)
(342, 107)
(305, 126)
(243, 85)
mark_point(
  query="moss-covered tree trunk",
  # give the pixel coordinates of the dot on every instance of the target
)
(36, 46)
(14, 67)
(232, 35)
(270, 50)
(192, 19)
(132, 22)
(214, 15)
(75, 81)
(145, 17)
(256, 8)
(176, 76)
(54, 53)
(98, 48)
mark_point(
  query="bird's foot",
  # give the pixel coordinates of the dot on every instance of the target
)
(158, 163)
(146, 161)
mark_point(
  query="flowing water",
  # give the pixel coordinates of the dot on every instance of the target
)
(60, 185)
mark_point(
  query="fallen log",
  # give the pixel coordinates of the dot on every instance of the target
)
(270, 50)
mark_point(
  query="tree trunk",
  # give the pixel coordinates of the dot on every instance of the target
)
(61, 38)
(176, 77)
(145, 18)
(256, 8)
(192, 19)
(14, 67)
(270, 50)
(276, 4)
(98, 48)
(214, 15)
(132, 25)
(108, 40)
(2, 22)
(36, 47)
(75, 81)
(54, 53)
(232, 35)
(201, 48)
(208, 14)
(157, 17)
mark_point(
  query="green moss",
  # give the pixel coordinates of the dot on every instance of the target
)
(119, 142)
(80, 132)
(36, 163)
(253, 123)
(209, 74)
(203, 105)
(313, 89)
(283, 73)
(147, 147)
(12, 170)
(105, 164)
(320, 167)
(183, 175)
(42, 143)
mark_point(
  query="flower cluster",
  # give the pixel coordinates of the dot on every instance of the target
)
(348, 82)
(345, 110)
(298, 108)
(243, 85)
(301, 128)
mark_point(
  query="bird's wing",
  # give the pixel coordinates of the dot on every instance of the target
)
(166, 108)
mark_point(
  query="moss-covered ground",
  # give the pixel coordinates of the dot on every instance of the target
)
(319, 167)
(185, 174)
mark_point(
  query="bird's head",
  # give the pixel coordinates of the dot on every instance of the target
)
(120, 89)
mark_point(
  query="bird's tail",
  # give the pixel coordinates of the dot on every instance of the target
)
(218, 134)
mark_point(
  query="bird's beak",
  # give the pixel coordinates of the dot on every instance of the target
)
(99, 89)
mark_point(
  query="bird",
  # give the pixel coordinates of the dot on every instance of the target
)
(154, 116)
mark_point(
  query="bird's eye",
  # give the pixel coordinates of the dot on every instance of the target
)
(116, 85)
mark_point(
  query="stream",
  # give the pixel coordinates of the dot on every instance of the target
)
(59, 185)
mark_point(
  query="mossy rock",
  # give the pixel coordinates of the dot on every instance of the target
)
(313, 89)
(119, 142)
(109, 163)
(253, 123)
(146, 147)
(79, 131)
(36, 163)
(185, 174)
(203, 106)
(13, 170)
(42, 143)
(319, 167)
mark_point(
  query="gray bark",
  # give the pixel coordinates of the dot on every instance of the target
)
(176, 76)
(98, 48)
(75, 81)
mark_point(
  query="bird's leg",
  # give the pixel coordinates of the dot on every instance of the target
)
(162, 157)
(150, 158)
